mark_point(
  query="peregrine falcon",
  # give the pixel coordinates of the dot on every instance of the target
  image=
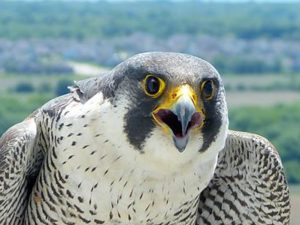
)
(147, 143)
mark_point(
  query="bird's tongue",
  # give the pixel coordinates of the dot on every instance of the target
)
(172, 121)
(180, 134)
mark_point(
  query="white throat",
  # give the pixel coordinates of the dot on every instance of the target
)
(111, 167)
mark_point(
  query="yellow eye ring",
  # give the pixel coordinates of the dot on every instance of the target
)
(208, 89)
(153, 86)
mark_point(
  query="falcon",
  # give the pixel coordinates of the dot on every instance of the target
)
(146, 143)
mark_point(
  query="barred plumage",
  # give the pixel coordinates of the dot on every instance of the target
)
(249, 185)
(98, 155)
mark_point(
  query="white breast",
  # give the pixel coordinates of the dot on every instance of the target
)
(106, 175)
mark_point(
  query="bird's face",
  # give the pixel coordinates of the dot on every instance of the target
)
(174, 105)
(179, 112)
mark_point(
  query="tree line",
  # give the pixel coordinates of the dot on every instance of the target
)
(80, 20)
(277, 123)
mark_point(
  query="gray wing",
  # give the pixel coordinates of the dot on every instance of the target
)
(249, 185)
(22, 150)
(19, 164)
(23, 146)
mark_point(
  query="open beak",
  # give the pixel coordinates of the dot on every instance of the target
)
(180, 114)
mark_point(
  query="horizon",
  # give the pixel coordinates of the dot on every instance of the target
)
(205, 1)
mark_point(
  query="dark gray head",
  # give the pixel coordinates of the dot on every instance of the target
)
(168, 103)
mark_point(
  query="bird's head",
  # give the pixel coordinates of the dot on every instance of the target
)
(171, 105)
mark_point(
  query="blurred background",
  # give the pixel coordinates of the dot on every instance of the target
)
(255, 45)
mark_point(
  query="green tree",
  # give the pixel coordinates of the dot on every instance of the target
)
(24, 87)
(62, 87)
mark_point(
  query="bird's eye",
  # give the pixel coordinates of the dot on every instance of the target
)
(153, 86)
(208, 89)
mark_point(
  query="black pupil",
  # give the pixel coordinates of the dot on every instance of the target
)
(152, 85)
(208, 89)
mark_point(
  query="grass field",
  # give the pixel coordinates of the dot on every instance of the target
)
(258, 80)
(260, 98)
(234, 98)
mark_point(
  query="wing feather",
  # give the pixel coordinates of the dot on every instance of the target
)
(19, 163)
(23, 146)
(249, 185)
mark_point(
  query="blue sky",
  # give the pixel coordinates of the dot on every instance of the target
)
(176, 0)
(217, 0)
(279, 1)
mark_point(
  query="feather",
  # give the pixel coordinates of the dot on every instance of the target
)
(249, 185)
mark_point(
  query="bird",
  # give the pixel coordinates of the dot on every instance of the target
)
(146, 143)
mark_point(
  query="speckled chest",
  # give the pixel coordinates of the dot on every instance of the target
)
(105, 189)
(90, 176)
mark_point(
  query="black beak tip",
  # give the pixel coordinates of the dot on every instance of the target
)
(181, 142)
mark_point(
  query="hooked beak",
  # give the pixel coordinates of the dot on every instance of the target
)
(181, 117)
